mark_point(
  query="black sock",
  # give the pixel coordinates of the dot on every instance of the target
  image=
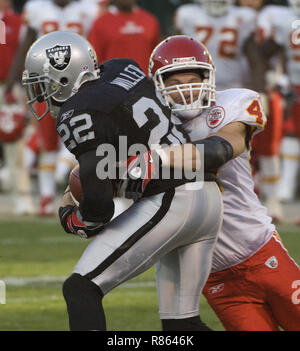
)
(84, 304)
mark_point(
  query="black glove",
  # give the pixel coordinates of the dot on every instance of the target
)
(139, 170)
(71, 221)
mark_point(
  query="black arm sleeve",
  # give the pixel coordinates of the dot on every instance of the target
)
(217, 151)
(96, 204)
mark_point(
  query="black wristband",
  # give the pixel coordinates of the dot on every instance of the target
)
(217, 151)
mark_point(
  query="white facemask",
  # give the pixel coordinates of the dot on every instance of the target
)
(186, 113)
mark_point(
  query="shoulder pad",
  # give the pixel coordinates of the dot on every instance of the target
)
(242, 105)
(118, 78)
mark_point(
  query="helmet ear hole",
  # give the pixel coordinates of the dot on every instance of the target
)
(64, 81)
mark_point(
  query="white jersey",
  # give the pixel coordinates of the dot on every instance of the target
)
(283, 25)
(246, 226)
(224, 37)
(44, 16)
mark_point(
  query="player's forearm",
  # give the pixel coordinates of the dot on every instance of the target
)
(67, 199)
(216, 152)
(236, 141)
(186, 156)
(96, 203)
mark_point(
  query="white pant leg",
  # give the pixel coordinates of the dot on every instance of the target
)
(181, 276)
(150, 229)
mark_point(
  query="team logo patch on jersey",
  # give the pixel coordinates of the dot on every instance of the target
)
(215, 116)
(59, 56)
(67, 114)
(272, 262)
(216, 289)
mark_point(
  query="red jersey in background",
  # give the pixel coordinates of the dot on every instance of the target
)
(13, 23)
(132, 35)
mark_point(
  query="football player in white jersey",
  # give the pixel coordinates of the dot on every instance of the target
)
(265, 146)
(253, 4)
(41, 17)
(228, 32)
(281, 28)
(254, 284)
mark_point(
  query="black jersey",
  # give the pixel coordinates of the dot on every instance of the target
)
(121, 105)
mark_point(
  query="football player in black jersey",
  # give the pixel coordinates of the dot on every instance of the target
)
(104, 117)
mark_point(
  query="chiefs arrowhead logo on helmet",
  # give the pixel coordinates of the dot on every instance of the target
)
(12, 122)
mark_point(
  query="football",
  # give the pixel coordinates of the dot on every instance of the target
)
(75, 185)
(76, 189)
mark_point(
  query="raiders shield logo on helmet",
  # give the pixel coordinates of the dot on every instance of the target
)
(59, 56)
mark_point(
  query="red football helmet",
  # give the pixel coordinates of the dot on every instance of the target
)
(12, 122)
(181, 53)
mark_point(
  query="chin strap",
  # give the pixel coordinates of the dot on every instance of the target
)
(187, 114)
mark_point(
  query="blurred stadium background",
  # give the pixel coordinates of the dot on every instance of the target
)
(163, 9)
(36, 255)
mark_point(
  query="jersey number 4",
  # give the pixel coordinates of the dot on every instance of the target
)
(254, 110)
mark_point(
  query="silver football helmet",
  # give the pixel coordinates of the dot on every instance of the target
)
(216, 8)
(56, 66)
(295, 5)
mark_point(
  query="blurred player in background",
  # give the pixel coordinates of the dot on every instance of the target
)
(41, 17)
(102, 5)
(266, 145)
(125, 30)
(229, 33)
(281, 33)
(12, 116)
(254, 284)
(256, 5)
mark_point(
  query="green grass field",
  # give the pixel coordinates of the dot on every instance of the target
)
(36, 256)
